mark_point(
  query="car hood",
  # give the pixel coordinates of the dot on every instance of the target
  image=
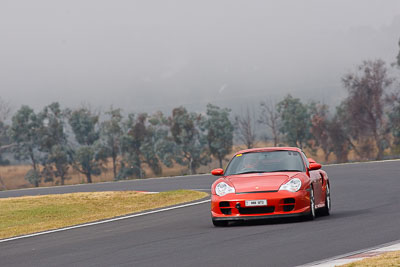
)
(255, 182)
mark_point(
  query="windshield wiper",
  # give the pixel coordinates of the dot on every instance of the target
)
(286, 171)
(249, 172)
(259, 171)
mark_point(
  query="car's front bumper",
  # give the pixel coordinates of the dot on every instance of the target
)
(260, 217)
(280, 204)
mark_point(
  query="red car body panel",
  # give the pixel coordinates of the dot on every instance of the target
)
(265, 186)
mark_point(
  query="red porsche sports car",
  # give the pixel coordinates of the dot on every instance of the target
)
(269, 182)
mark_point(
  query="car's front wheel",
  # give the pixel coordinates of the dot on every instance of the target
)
(327, 209)
(220, 223)
(312, 214)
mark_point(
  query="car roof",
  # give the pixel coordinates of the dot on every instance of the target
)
(262, 149)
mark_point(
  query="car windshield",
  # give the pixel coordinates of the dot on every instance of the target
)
(268, 161)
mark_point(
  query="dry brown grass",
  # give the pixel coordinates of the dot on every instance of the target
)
(13, 177)
(23, 215)
(391, 259)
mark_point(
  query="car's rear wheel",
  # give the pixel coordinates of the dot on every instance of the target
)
(312, 214)
(220, 223)
(327, 209)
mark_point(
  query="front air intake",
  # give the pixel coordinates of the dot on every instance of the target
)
(289, 201)
(226, 211)
(288, 208)
(224, 204)
(257, 210)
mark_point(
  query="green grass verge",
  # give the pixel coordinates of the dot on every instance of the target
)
(25, 215)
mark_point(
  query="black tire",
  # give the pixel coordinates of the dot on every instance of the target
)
(220, 223)
(313, 211)
(325, 211)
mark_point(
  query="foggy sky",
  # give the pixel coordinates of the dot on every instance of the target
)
(149, 55)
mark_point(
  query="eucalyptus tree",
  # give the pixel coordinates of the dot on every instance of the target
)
(163, 143)
(320, 122)
(111, 134)
(394, 113)
(89, 160)
(245, 125)
(5, 144)
(54, 146)
(131, 142)
(296, 121)
(394, 121)
(60, 160)
(219, 132)
(5, 110)
(25, 134)
(189, 135)
(145, 142)
(90, 155)
(340, 134)
(270, 117)
(85, 125)
(365, 104)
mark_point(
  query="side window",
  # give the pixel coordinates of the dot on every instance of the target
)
(305, 159)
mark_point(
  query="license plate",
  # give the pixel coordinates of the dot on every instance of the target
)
(252, 203)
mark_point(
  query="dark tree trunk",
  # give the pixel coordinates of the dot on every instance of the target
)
(89, 177)
(114, 159)
(275, 133)
(327, 156)
(220, 161)
(192, 168)
(2, 183)
(380, 147)
(300, 144)
(342, 156)
(36, 183)
(380, 152)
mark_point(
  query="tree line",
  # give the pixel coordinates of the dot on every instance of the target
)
(56, 140)
(367, 121)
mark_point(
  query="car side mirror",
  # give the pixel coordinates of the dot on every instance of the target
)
(311, 160)
(217, 172)
(314, 166)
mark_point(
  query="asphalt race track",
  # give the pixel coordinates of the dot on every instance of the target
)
(202, 182)
(366, 213)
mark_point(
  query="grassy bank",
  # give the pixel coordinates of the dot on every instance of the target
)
(385, 260)
(24, 215)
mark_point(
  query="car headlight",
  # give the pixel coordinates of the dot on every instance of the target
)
(223, 188)
(292, 186)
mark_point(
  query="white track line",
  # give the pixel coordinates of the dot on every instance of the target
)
(355, 255)
(109, 182)
(105, 221)
(361, 162)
